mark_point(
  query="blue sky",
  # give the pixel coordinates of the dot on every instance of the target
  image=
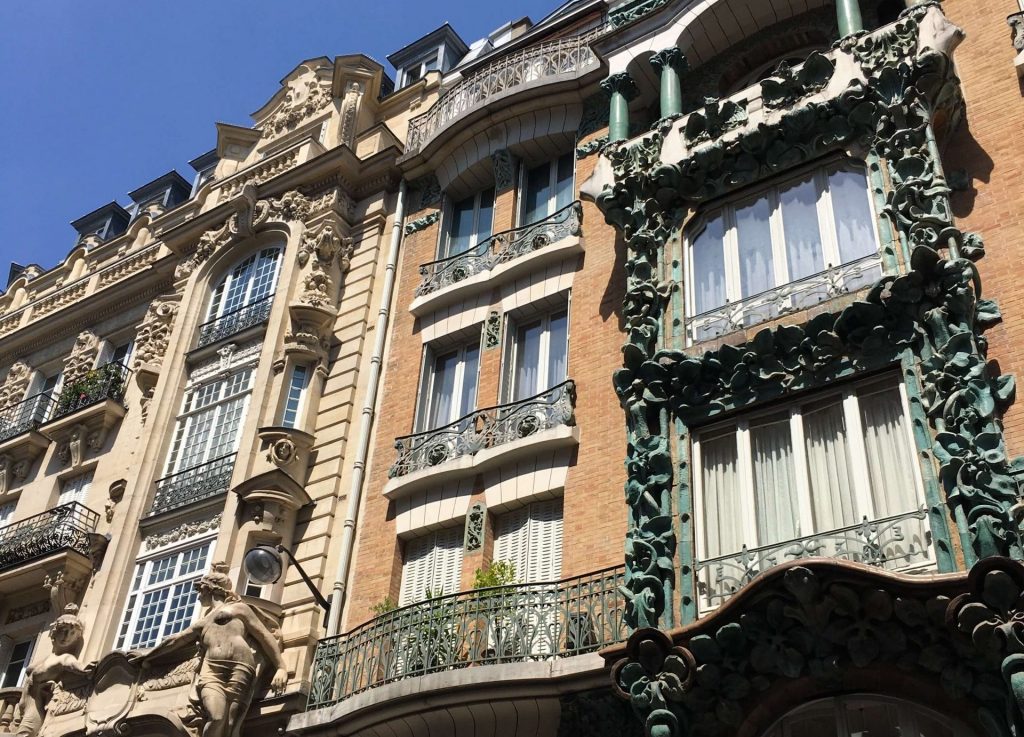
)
(101, 97)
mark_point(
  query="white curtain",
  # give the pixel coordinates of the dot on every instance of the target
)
(828, 466)
(74, 489)
(470, 361)
(723, 522)
(775, 494)
(558, 339)
(528, 340)
(709, 267)
(852, 212)
(443, 390)
(800, 223)
(753, 231)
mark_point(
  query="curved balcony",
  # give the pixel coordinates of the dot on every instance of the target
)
(194, 484)
(64, 528)
(499, 258)
(545, 63)
(506, 624)
(901, 542)
(484, 438)
(234, 322)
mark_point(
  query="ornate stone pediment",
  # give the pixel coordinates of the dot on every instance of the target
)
(306, 94)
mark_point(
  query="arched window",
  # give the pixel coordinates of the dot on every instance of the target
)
(242, 297)
(857, 716)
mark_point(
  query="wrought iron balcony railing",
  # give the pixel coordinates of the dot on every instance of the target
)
(26, 415)
(193, 484)
(62, 528)
(106, 382)
(235, 321)
(898, 542)
(564, 57)
(792, 297)
(486, 428)
(505, 624)
(501, 248)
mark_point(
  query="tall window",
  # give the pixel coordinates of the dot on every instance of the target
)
(538, 356)
(530, 538)
(792, 232)
(812, 470)
(75, 489)
(13, 674)
(433, 566)
(548, 188)
(297, 385)
(860, 716)
(210, 421)
(449, 386)
(249, 281)
(469, 223)
(163, 599)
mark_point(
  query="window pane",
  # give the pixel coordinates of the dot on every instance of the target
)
(709, 267)
(829, 471)
(775, 494)
(564, 180)
(723, 525)
(264, 275)
(238, 282)
(557, 349)
(294, 398)
(877, 719)
(12, 675)
(538, 192)
(852, 212)
(471, 361)
(755, 247)
(460, 234)
(527, 381)
(443, 394)
(485, 217)
(800, 222)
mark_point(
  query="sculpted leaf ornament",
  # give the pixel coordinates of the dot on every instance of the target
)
(653, 678)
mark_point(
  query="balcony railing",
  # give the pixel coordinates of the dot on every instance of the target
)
(106, 382)
(486, 428)
(193, 484)
(63, 528)
(506, 624)
(797, 295)
(564, 57)
(26, 415)
(898, 542)
(235, 321)
(501, 248)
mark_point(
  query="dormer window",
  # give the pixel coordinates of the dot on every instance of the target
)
(440, 50)
(418, 68)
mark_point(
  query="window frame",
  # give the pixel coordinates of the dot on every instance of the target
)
(552, 201)
(452, 535)
(220, 290)
(427, 396)
(25, 662)
(444, 246)
(296, 397)
(84, 479)
(771, 189)
(849, 394)
(419, 63)
(516, 321)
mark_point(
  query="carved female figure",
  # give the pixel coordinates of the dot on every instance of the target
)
(226, 637)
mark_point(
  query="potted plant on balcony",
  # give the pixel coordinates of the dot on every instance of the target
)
(429, 639)
(496, 608)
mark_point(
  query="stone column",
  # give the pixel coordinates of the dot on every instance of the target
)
(621, 89)
(848, 15)
(670, 64)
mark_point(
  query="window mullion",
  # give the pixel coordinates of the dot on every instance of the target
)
(775, 227)
(730, 243)
(858, 456)
(745, 462)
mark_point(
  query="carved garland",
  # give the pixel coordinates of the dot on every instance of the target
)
(934, 310)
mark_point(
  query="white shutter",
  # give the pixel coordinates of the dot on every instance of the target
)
(447, 573)
(512, 541)
(75, 489)
(416, 569)
(545, 545)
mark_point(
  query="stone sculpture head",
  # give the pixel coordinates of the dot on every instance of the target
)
(67, 632)
(216, 585)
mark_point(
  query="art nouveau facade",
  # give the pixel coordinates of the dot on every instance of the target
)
(408, 333)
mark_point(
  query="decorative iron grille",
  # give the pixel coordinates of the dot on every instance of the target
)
(567, 57)
(106, 382)
(486, 428)
(193, 484)
(26, 415)
(898, 542)
(501, 248)
(66, 527)
(235, 321)
(504, 624)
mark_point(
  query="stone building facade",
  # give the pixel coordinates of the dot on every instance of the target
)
(349, 435)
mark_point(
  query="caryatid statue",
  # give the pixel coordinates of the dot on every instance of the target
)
(66, 635)
(226, 635)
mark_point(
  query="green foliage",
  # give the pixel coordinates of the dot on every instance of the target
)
(385, 605)
(497, 573)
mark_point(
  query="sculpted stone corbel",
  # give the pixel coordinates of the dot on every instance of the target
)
(63, 590)
(73, 449)
(154, 332)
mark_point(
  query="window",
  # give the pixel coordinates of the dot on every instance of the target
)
(548, 188)
(210, 421)
(249, 281)
(791, 233)
(530, 538)
(74, 489)
(163, 599)
(7, 513)
(433, 566)
(293, 402)
(817, 468)
(538, 357)
(449, 385)
(469, 224)
(416, 70)
(120, 353)
(861, 716)
(14, 673)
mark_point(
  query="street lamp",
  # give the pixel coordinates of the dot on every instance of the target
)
(264, 566)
